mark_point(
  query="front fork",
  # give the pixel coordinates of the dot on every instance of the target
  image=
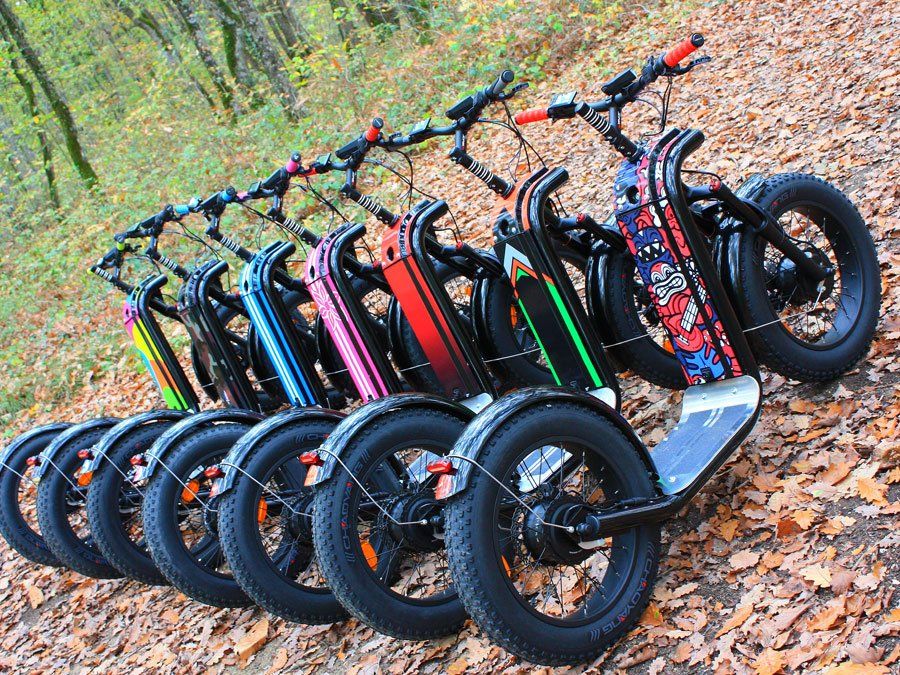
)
(761, 222)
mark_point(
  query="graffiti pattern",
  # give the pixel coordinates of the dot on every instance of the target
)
(669, 272)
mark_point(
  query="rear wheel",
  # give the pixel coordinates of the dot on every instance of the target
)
(62, 513)
(265, 525)
(18, 500)
(119, 532)
(181, 519)
(384, 567)
(528, 584)
(805, 330)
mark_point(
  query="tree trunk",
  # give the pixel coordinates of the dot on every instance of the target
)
(231, 42)
(378, 13)
(148, 23)
(33, 112)
(60, 109)
(269, 58)
(344, 22)
(206, 56)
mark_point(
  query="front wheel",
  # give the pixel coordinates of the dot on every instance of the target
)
(181, 519)
(115, 502)
(265, 523)
(801, 329)
(381, 549)
(527, 584)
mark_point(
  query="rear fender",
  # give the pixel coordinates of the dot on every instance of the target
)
(123, 429)
(236, 460)
(53, 453)
(359, 419)
(471, 443)
(181, 430)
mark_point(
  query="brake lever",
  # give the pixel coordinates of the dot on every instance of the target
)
(505, 96)
(681, 70)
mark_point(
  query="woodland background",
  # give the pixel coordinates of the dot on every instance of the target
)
(109, 109)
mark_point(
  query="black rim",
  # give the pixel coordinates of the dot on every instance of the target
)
(281, 507)
(543, 567)
(194, 518)
(816, 317)
(409, 562)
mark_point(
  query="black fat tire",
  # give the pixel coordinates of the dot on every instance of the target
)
(161, 526)
(773, 345)
(480, 581)
(350, 580)
(13, 526)
(238, 530)
(644, 356)
(80, 555)
(105, 520)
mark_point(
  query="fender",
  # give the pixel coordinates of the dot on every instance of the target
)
(472, 441)
(596, 284)
(179, 431)
(27, 436)
(57, 446)
(123, 429)
(728, 249)
(237, 456)
(355, 422)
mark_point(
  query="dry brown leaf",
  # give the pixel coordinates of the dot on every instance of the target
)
(741, 614)
(458, 666)
(769, 662)
(818, 574)
(35, 597)
(728, 529)
(279, 661)
(850, 668)
(743, 559)
(252, 642)
(871, 491)
(828, 616)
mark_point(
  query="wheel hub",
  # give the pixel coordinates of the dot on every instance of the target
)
(414, 509)
(795, 288)
(299, 523)
(549, 543)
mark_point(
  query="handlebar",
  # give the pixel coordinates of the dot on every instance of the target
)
(499, 84)
(682, 50)
(531, 115)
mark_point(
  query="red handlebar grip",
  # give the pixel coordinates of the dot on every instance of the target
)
(374, 129)
(292, 167)
(682, 50)
(532, 115)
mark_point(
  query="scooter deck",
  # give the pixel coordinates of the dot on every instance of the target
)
(713, 416)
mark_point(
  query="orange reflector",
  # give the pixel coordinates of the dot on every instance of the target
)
(667, 345)
(311, 474)
(513, 315)
(441, 467)
(506, 566)
(369, 551)
(311, 458)
(262, 511)
(84, 478)
(138, 460)
(189, 493)
(444, 486)
(213, 472)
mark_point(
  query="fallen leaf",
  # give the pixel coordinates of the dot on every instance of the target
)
(828, 616)
(818, 574)
(741, 614)
(871, 491)
(743, 559)
(850, 668)
(769, 662)
(35, 597)
(252, 642)
(457, 667)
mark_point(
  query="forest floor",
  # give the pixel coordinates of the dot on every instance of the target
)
(788, 560)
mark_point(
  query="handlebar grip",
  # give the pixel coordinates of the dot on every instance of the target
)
(374, 130)
(293, 164)
(532, 115)
(500, 83)
(682, 50)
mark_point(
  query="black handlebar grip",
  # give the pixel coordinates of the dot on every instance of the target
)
(275, 180)
(500, 83)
